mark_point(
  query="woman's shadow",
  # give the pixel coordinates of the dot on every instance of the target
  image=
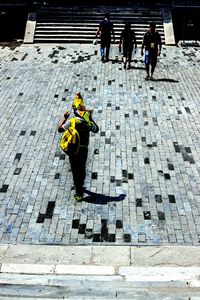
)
(101, 199)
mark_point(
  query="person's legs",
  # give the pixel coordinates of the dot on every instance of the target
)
(107, 50)
(147, 71)
(124, 61)
(153, 64)
(102, 50)
(147, 62)
(125, 55)
(102, 53)
(130, 57)
(78, 163)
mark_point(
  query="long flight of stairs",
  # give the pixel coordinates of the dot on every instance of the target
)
(79, 24)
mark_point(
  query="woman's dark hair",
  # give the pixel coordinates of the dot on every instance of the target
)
(152, 25)
(107, 15)
(127, 25)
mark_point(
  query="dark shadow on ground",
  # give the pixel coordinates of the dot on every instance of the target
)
(137, 68)
(167, 80)
(101, 199)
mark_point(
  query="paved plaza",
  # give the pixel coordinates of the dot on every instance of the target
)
(142, 183)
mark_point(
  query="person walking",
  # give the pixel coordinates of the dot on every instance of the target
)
(83, 124)
(152, 44)
(105, 31)
(127, 40)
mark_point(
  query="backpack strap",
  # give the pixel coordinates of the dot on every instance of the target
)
(73, 122)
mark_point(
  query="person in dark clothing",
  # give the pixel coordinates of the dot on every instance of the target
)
(127, 40)
(152, 43)
(83, 124)
(104, 32)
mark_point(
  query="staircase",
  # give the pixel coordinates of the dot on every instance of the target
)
(30, 272)
(79, 24)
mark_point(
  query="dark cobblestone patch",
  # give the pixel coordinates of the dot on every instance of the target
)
(127, 238)
(172, 199)
(57, 154)
(119, 224)
(62, 156)
(25, 55)
(147, 161)
(57, 176)
(4, 188)
(50, 209)
(112, 179)
(54, 53)
(17, 158)
(88, 234)
(170, 167)
(17, 171)
(185, 151)
(158, 198)
(96, 238)
(161, 215)
(104, 230)
(96, 151)
(94, 175)
(147, 215)
(124, 173)
(23, 132)
(75, 224)
(41, 218)
(81, 229)
(139, 202)
(155, 121)
(111, 238)
(118, 182)
(33, 133)
(176, 147)
(130, 176)
(187, 110)
(167, 176)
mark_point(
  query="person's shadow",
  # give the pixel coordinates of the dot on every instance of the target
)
(101, 199)
(167, 80)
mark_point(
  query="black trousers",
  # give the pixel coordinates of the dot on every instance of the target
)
(78, 163)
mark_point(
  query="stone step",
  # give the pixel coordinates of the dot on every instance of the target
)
(103, 272)
(121, 19)
(81, 26)
(137, 283)
(80, 23)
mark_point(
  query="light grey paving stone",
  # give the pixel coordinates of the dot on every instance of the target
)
(169, 105)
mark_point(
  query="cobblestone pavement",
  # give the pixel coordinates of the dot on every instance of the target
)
(143, 183)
